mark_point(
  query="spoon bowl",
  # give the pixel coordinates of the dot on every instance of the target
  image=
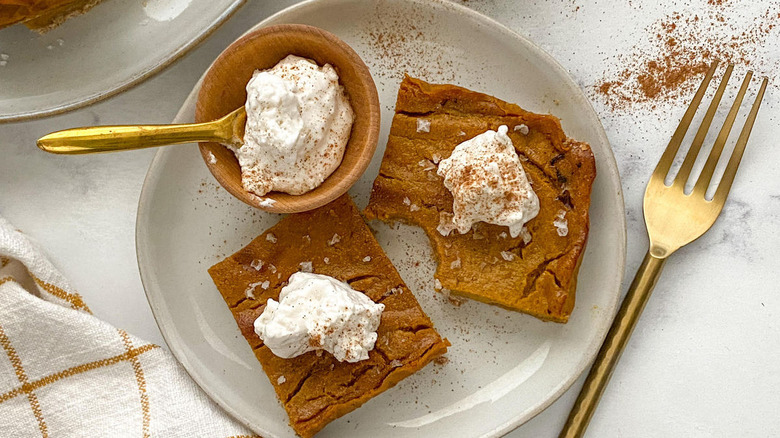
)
(224, 89)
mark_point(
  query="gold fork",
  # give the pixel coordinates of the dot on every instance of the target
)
(674, 218)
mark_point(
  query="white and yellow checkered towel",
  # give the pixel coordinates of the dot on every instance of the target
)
(66, 373)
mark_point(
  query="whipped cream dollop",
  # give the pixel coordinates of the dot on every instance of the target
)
(318, 312)
(488, 184)
(298, 122)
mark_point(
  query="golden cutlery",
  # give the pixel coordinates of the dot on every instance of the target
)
(673, 218)
(228, 130)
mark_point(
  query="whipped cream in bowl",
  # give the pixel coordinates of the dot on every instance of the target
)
(312, 117)
(298, 123)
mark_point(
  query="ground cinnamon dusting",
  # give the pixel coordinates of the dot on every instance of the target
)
(403, 47)
(680, 49)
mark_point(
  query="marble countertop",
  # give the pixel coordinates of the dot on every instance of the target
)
(701, 363)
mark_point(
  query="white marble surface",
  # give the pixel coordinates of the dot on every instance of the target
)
(704, 359)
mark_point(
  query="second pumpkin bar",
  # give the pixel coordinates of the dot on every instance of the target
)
(535, 273)
(315, 388)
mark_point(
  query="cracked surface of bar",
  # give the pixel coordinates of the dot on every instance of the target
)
(485, 264)
(316, 388)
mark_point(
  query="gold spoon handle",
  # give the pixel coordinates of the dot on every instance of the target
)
(121, 138)
(617, 338)
(227, 130)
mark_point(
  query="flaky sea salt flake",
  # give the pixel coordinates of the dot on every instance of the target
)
(426, 165)
(250, 291)
(522, 128)
(266, 202)
(526, 235)
(561, 224)
(446, 225)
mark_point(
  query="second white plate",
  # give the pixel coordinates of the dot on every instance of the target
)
(115, 45)
(503, 367)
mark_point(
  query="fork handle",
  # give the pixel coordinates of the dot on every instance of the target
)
(617, 338)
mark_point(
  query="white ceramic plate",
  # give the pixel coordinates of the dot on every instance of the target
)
(112, 47)
(503, 367)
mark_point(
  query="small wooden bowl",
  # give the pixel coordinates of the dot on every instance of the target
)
(224, 89)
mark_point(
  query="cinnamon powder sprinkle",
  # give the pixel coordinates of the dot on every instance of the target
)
(403, 47)
(681, 48)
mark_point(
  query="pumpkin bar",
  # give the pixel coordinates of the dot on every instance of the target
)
(534, 273)
(42, 15)
(315, 388)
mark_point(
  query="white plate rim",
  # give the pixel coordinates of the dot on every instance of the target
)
(132, 80)
(612, 173)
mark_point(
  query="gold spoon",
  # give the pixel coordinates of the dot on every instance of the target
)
(219, 123)
(228, 130)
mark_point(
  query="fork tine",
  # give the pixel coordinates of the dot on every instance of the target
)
(665, 163)
(731, 170)
(700, 189)
(685, 170)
